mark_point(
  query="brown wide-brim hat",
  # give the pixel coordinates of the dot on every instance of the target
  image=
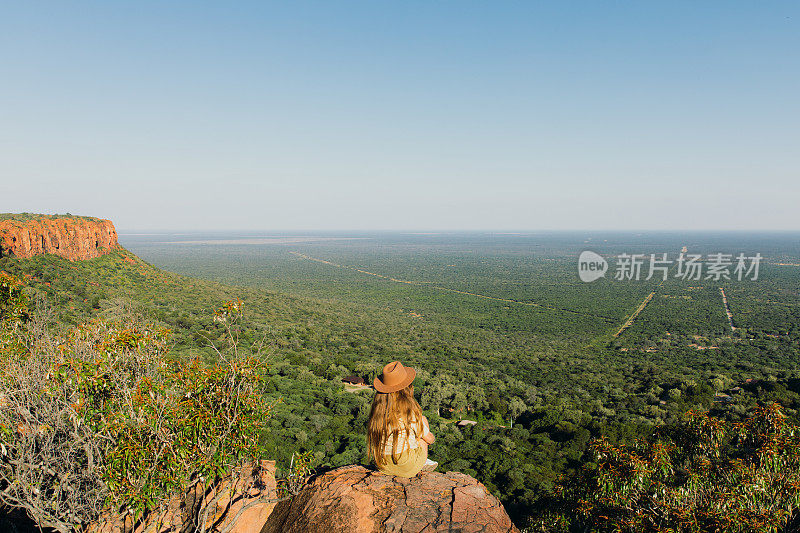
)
(395, 377)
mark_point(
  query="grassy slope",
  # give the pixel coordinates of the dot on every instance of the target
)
(297, 327)
(323, 334)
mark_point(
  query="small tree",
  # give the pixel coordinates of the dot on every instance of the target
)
(515, 408)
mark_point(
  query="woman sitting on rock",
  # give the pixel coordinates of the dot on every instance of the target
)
(397, 434)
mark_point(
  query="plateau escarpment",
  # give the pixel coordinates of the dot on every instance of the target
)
(72, 237)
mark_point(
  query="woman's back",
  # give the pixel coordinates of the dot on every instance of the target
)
(397, 433)
(407, 438)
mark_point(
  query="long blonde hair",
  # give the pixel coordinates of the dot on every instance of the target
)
(384, 422)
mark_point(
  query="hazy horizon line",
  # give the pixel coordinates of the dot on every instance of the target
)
(156, 231)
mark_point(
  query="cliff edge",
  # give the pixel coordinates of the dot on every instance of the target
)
(72, 237)
(353, 499)
(350, 499)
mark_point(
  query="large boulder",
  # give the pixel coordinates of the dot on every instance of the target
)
(353, 499)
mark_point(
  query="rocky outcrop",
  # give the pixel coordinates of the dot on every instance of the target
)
(353, 499)
(350, 499)
(73, 238)
(240, 503)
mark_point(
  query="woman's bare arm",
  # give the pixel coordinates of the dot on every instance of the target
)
(428, 437)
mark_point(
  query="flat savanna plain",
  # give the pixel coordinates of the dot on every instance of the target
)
(525, 289)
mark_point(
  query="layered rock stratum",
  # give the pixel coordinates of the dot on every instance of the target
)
(72, 237)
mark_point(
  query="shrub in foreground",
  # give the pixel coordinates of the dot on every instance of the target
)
(703, 475)
(101, 417)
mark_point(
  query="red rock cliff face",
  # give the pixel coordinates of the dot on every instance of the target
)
(73, 238)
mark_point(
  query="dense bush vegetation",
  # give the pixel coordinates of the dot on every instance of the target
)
(25, 217)
(540, 385)
(702, 475)
(100, 416)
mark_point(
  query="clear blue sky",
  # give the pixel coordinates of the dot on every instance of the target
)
(403, 115)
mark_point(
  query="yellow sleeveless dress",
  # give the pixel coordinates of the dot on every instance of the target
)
(412, 456)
